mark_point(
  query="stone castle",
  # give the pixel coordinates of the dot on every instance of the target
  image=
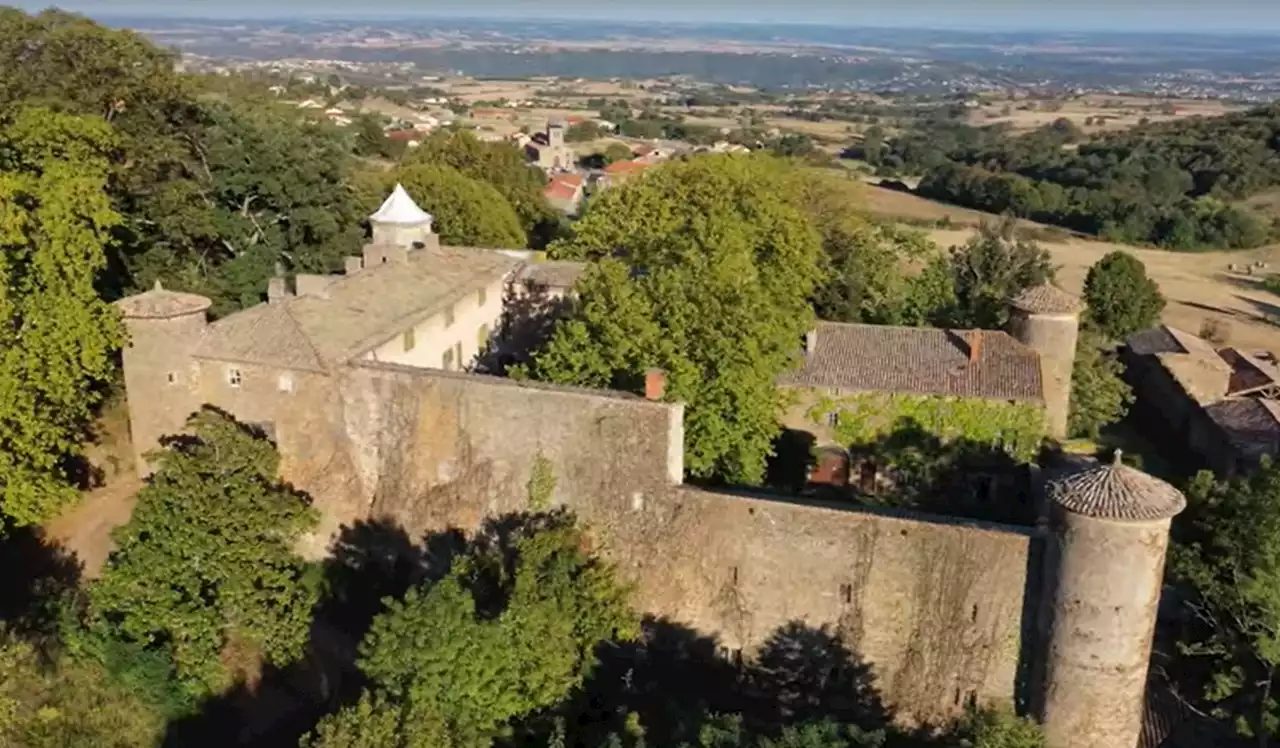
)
(361, 379)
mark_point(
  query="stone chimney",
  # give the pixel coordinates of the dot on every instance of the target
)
(277, 290)
(811, 341)
(655, 384)
(975, 346)
(354, 265)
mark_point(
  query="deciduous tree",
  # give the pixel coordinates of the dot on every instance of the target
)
(1121, 298)
(207, 561)
(467, 212)
(991, 268)
(1099, 396)
(58, 337)
(712, 272)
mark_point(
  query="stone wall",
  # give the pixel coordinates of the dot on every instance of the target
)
(936, 608)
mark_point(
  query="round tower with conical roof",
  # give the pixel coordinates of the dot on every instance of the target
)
(160, 378)
(1109, 531)
(1047, 320)
(399, 222)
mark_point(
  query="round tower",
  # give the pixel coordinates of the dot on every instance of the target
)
(160, 378)
(1109, 530)
(1046, 319)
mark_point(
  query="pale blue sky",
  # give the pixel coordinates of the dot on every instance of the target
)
(1119, 15)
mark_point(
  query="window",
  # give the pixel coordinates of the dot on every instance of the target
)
(457, 354)
(409, 340)
(285, 383)
(233, 377)
(833, 419)
(446, 361)
(448, 316)
(482, 337)
(173, 377)
(483, 296)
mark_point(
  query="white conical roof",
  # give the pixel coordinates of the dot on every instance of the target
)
(400, 209)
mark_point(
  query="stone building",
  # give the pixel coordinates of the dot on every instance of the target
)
(548, 151)
(1220, 405)
(406, 301)
(944, 612)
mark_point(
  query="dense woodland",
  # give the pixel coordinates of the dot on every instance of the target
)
(1174, 184)
(116, 171)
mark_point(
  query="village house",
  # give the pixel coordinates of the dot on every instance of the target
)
(620, 172)
(1220, 404)
(566, 192)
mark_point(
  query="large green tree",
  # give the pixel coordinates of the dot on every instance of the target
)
(67, 704)
(1099, 396)
(512, 630)
(710, 268)
(206, 566)
(467, 212)
(58, 337)
(501, 165)
(991, 268)
(1232, 564)
(1121, 298)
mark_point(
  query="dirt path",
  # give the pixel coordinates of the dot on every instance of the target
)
(85, 529)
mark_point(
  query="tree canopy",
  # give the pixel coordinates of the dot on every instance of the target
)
(58, 338)
(1099, 396)
(207, 564)
(1121, 298)
(467, 212)
(500, 165)
(991, 268)
(512, 630)
(707, 270)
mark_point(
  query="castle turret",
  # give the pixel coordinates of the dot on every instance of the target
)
(159, 376)
(1047, 320)
(1110, 529)
(398, 226)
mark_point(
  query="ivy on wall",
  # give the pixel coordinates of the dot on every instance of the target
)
(865, 419)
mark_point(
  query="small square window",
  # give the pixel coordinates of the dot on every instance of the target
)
(448, 316)
(410, 340)
(234, 377)
(285, 383)
(173, 377)
(483, 296)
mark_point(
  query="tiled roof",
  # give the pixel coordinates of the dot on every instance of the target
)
(1047, 298)
(1248, 371)
(625, 167)
(1252, 424)
(1116, 491)
(926, 361)
(554, 273)
(356, 312)
(564, 187)
(161, 303)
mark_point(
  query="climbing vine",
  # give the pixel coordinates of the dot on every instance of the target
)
(865, 419)
(542, 484)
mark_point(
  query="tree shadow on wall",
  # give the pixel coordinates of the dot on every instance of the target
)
(38, 573)
(529, 315)
(674, 679)
(792, 458)
(917, 470)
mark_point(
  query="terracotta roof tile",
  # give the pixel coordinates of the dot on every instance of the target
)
(1116, 491)
(625, 167)
(161, 303)
(924, 361)
(1047, 298)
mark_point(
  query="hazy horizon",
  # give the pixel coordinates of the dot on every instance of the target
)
(1183, 16)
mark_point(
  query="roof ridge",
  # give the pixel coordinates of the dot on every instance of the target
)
(311, 346)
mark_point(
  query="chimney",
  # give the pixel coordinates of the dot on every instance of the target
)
(811, 341)
(354, 265)
(655, 384)
(975, 346)
(277, 290)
